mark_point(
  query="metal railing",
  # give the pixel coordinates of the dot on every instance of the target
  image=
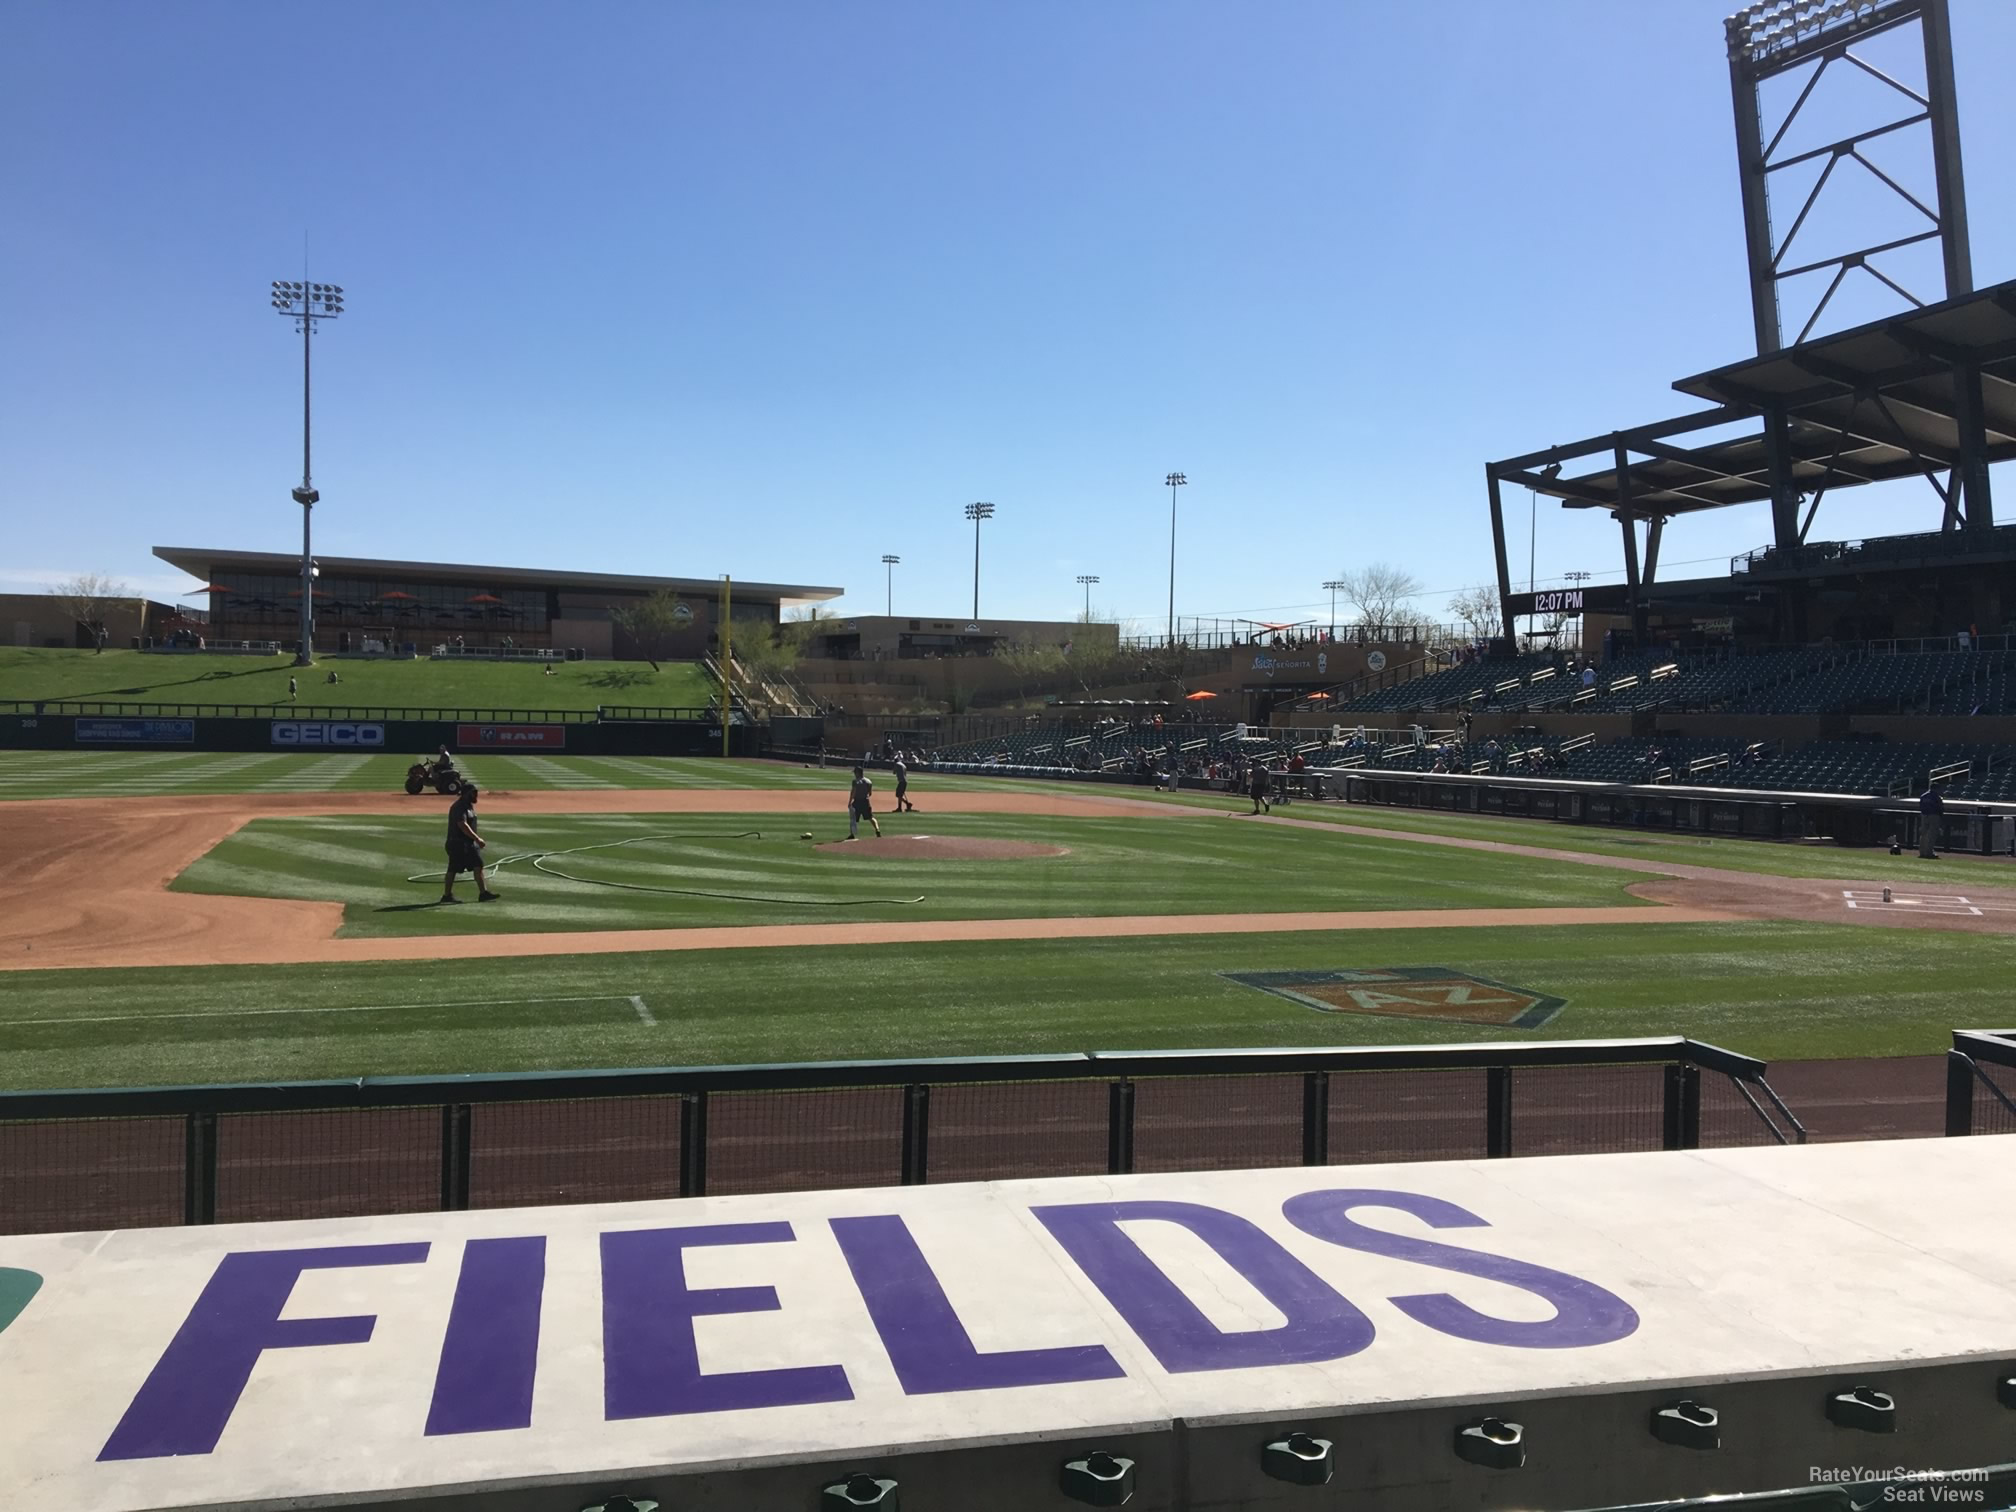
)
(78, 1160)
(1976, 1101)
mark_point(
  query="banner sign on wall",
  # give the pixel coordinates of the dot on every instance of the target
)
(327, 735)
(512, 737)
(136, 731)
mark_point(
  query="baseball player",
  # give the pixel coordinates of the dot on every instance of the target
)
(903, 785)
(861, 805)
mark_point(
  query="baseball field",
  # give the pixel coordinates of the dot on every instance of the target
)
(182, 918)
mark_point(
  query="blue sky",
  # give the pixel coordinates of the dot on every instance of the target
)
(774, 288)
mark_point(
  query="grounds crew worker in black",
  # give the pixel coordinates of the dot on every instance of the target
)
(465, 846)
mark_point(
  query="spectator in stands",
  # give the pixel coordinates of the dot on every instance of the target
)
(1930, 807)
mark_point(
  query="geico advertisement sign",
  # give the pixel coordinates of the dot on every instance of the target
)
(294, 732)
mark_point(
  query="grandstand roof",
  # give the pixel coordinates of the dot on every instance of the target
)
(1864, 405)
(205, 562)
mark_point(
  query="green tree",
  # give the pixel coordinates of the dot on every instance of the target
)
(660, 625)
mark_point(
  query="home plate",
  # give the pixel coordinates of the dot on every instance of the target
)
(1924, 903)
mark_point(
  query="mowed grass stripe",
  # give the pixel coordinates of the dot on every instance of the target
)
(1775, 990)
(716, 869)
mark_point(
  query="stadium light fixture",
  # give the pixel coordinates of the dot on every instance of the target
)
(889, 570)
(1175, 480)
(305, 304)
(1085, 581)
(976, 513)
(1333, 585)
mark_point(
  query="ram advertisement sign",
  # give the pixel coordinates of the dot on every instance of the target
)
(508, 737)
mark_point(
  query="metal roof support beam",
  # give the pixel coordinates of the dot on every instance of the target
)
(1652, 534)
(1498, 547)
(1937, 29)
(1554, 488)
(1679, 425)
(1971, 475)
(1634, 594)
(1784, 487)
(1756, 201)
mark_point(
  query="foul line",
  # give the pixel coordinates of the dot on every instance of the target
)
(643, 1012)
(127, 1018)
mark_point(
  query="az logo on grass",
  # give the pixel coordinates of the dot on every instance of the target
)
(1415, 992)
(17, 1288)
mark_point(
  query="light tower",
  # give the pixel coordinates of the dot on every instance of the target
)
(304, 304)
(1085, 581)
(1333, 585)
(976, 513)
(889, 584)
(1175, 480)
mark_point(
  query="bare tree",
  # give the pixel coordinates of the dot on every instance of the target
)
(89, 599)
(658, 624)
(1379, 593)
(1477, 609)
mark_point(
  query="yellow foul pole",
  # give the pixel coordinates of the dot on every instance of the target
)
(727, 659)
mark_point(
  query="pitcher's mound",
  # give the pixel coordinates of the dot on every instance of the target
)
(943, 848)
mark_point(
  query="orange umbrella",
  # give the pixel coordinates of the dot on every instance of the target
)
(1314, 696)
(394, 594)
(1200, 693)
(486, 598)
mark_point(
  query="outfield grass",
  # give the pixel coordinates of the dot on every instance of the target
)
(1780, 991)
(734, 869)
(204, 677)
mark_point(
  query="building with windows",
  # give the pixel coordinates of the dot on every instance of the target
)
(256, 595)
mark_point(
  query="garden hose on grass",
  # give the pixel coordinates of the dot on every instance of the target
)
(539, 860)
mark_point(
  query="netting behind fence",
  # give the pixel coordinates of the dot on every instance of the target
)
(1379, 1116)
(803, 1141)
(1217, 1123)
(90, 1173)
(996, 1131)
(1574, 1110)
(615, 1149)
(333, 1163)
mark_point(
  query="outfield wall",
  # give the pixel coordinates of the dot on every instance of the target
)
(1842, 1310)
(576, 733)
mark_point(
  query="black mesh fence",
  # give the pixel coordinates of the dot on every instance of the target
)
(1992, 1114)
(803, 1141)
(90, 1173)
(332, 1163)
(1217, 1123)
(603, 1149)
(1383, 1116)
(338, 1150)
(996, 1131)
(1729, 1119)
(1582, 1110)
